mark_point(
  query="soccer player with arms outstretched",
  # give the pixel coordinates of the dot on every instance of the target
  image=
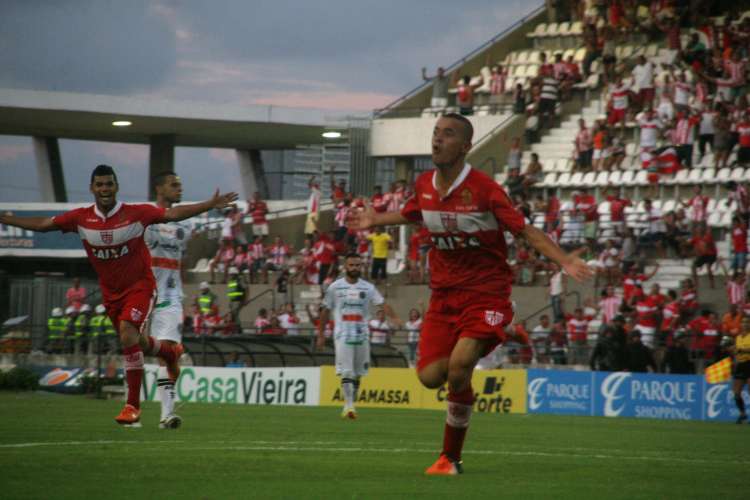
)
(112, 234)
(166, 243)
(466, 213)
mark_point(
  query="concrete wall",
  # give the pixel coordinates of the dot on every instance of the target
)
(412, 136)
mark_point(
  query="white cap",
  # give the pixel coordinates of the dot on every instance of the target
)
(85, 308)
(100, 309)
(57, 312)
(70, 310)
(204, 285)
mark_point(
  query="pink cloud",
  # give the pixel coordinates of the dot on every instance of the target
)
(334, 100)
(12, 152)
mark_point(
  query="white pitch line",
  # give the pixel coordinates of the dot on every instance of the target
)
(291, 447)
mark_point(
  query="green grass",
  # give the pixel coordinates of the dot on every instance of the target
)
(70, 447)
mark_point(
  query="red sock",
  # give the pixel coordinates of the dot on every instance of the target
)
(133, 373)
(160, 349)
(457, 422)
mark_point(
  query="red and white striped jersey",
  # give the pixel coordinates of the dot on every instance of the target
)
(649, 131)
(257, 251)
(610, 308)
(645, 311)
(278, 254)
(578, 329)
(736, 291)
(669, 313)
(114, 244)
(620, 97)
(683, 132)
(699, 205)
(466, 228)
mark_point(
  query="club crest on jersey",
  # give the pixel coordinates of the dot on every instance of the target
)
(107, 237)
(449, 221)
(493, 318)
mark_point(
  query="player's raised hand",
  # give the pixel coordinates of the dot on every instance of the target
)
(361, 219)
(223, 200)
(575, 267)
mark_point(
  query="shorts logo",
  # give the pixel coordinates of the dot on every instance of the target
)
(106, 237)
(136, 314)
(493, 318)
(449, 221)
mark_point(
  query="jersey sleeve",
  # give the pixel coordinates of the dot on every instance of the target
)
(509, 218)
(411, 210)
(149, 214)
(376, 298)
(67, 222)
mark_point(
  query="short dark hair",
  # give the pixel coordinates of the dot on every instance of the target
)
(102, 171)
(160, 178)
(468, 127)
(352, 255)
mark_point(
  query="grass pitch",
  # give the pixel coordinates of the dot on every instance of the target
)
(54, 446)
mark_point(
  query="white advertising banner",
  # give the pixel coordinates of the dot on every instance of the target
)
(252, 386)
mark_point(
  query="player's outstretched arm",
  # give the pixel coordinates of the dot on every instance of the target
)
(40, 224)
(186, 211)
(570, 262)
(368, 217)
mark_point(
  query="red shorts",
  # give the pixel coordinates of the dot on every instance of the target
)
(134, 307)
(457, 313)
(646, 95)
(616, 116)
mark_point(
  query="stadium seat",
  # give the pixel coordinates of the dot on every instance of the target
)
(693, 177)
(580, 54)
(614, 178)
(564, 180)
(602, 179)
(576, 29)
(519, 71)
(548, 166)
(589, 180)
(551, 31)
(737, 174)
(522, 57)
(576, 179)
(746, 176)
(708, 176)
(723, 175)
(626, 179)
(669, 205)
(532, 70)
(562, 165)
(641, 179)
(680, 178)
(549, 180)
(539, 31)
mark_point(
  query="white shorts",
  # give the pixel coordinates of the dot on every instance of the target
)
(260, 229)
(597, 154)
(352, 361)
(166, 323)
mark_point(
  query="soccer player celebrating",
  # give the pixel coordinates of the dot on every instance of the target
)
(112, 234)
(465, 212)
(350, 298)
(167, 242)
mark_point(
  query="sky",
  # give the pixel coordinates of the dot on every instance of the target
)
(339, 55)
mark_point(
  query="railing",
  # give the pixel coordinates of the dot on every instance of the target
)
(549, 306)
(461, 61)
(208, 222)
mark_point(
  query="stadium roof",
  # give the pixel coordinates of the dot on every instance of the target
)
(89, 117)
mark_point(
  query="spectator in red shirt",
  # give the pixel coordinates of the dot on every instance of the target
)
(705, 252)
(670, 317)
(378, 201)
(585, 203)
(75, 295)
(258, 209)
(632, 279)
(739, 244)
(617, 209)
(273, 327)
(325, 254)
(222, 260)
(551, 211)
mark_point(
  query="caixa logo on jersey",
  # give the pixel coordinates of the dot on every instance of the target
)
(559, 392)
(643, 395)
(719, 402)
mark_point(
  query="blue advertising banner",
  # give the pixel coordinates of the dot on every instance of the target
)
(559, 392)
(645, 395)
(21, 243)
(719, 402)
